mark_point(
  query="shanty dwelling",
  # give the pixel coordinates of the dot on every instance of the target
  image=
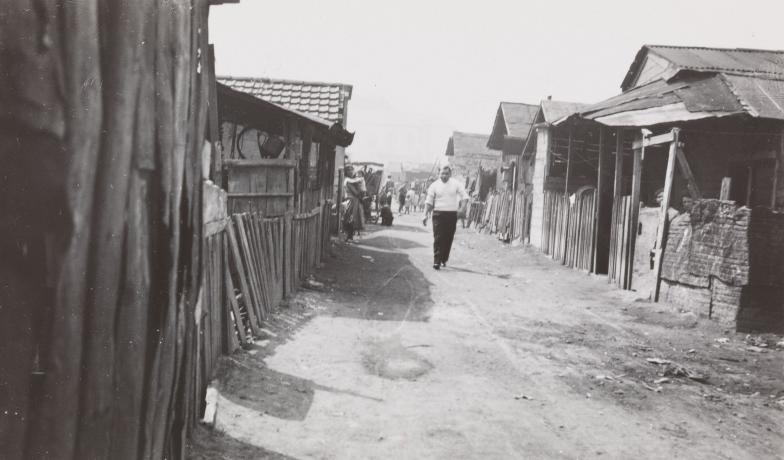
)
(715, 244)
(278, 167)
(512, 124)
(276, 159)
(110, 315)
(549, 178)
(327, 101)
(472, 162)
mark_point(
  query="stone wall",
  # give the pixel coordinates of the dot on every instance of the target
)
(728, 263)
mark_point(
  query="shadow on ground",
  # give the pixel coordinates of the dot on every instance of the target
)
(207, 444)
(389, 242)
(376, 281)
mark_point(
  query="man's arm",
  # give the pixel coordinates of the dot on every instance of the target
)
(430, 201)
(463, 196)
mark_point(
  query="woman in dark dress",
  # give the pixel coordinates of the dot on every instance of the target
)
(353, 218)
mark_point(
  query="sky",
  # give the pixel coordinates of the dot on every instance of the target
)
(423, 69)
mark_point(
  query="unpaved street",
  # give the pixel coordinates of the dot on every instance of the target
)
(503, 354)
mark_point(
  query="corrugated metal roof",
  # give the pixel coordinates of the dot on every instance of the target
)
(324, 100)
(470, 144)
(739, 61)
(513, 119)
(698, 96)
(553, 111)
(761, 97)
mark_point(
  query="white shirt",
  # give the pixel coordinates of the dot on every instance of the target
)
(445, 196)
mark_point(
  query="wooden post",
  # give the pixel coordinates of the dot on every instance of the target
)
(694, 191)
(661, 232)
(776, 168)
(726, 186)
(636, 181)
(569, 151)
(603, 205)
(617, 184)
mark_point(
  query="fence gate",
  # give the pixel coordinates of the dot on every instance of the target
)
(581, 238)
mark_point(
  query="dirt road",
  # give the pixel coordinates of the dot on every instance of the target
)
(503, 354)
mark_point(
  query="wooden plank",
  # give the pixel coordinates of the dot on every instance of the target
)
(236, 260)
(726, 187)
(268, 162)
(569, 159)
(635, 217)
(661, 233)
(250, 265)
(121, 78)
(650, 141)
(603, 209)
(617, 184)
(691, 184)
(261, 195)
(235, 307)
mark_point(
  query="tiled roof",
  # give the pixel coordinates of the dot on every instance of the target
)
(738, 61)
(469, 144)
(249, 110)
(324, 100)
(513, 119)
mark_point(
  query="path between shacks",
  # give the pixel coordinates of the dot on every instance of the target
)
(503, 354)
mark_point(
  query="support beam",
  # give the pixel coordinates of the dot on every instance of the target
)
(603, 204)
(691, 184)
(615, 249)
(569, 156)
(635, 218)
(726, 186)
(661, 232)
(650, 141)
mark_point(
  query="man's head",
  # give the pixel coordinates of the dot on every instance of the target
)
(659, 196)
(349, 171)
(446, 173)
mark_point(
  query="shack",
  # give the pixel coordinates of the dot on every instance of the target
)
(277, 159)
(548, 176)
(713, 244)
(508, 213)
(473, 163)
(327, 101)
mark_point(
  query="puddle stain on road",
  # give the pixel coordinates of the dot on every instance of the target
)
(389, 359)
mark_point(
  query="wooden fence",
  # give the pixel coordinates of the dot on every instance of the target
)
(554, 224)
(581, 238)
(504, 214)
(267, 258)
(621, 264)
(569, 229)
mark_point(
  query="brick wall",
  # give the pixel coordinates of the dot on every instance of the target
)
(727, 262)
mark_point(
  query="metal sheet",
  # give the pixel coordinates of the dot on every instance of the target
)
(763, 97)
(657, 115)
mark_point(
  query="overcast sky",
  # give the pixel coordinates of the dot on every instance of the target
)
(422, 69)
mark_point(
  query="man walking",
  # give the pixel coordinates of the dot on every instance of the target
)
(444, 198)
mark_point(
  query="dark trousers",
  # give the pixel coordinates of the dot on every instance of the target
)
(444, 224)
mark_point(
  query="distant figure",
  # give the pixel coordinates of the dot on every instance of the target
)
(410, 200)
(401, 199)
(444, 198)
(386, 216)
(353, 216)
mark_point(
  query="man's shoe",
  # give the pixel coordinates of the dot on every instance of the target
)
(437, 267)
